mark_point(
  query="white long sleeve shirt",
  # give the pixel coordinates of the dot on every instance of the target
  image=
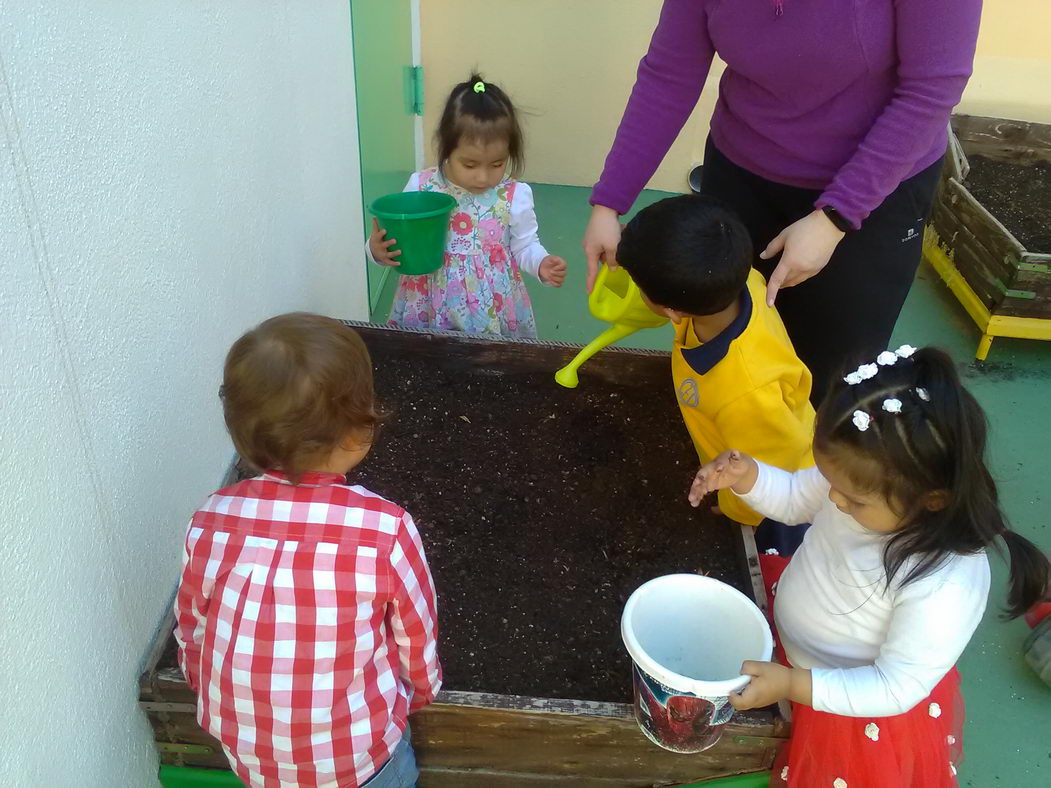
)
(525, 230)
(872, 650)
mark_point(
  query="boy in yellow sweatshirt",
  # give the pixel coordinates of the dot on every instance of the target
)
(737, 378)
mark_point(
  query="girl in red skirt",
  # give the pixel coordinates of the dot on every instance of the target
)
(889, 584)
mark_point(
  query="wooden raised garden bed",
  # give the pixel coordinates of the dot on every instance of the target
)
(541, 509)
(990, 235)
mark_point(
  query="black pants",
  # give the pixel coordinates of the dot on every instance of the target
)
(845, 315)
(783, 539)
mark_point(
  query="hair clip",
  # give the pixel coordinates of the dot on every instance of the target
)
(905, 351)
(864, 372)
(923, 394)
(479, 87)
(861, 420)
(887, 359)
(892, 405)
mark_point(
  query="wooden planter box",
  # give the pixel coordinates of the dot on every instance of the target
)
(469, 739)
(1005, 287)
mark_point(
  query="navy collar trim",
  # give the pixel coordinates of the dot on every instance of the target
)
(706, 355)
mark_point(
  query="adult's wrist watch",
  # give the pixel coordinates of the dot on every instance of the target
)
(837, 219)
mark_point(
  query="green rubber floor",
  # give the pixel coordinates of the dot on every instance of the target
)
(1008, 733)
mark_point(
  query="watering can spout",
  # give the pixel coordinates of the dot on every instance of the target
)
(615, 299)
(567, 376)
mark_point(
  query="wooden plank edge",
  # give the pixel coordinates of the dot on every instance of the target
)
(1003, 139)
(491, 701)
(164, 629)
(965, 194)
(755, 575)
(783, 720)
(172, 679)
(954, 280)
(161, 635)
(491, 339)
(959, 167)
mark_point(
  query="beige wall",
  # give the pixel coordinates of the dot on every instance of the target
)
(570, 64)
(1012, 69)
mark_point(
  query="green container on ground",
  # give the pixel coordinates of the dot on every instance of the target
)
(186, 777)
(419, 222)
(754, 780)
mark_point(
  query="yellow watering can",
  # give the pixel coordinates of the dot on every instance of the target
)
(615, 299)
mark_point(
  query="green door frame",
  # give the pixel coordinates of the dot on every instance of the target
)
(388, 78)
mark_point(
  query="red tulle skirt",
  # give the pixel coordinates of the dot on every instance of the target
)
(921, 748)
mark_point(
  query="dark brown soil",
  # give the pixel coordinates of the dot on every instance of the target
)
(1019, 195)
(541, 510)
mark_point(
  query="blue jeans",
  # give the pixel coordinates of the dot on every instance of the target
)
(400, 770)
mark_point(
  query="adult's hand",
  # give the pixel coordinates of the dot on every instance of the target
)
(805, 248)
(600, 240)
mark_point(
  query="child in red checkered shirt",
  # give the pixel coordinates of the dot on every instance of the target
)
(306, 614)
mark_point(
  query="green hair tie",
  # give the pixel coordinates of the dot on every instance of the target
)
(479, 87)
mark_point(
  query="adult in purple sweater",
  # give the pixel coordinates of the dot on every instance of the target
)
(827, 139)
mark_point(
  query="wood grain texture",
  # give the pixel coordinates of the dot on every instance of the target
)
(981, 247)
(464, 738)
(1016, 141)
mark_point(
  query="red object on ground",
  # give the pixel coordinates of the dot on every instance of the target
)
(1038, 613)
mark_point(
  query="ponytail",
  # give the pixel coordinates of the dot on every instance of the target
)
(1030, 580)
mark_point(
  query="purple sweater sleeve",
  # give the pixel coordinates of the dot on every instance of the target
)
(936, 41)
(667, 88)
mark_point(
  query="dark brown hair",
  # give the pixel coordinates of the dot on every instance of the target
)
(689, 253)
(935, 443)
(294, 388)
(480, 116)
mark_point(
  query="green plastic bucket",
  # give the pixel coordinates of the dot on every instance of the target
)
(187, 777)
(419, 222)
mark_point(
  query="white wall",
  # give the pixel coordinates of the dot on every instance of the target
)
(170, 174)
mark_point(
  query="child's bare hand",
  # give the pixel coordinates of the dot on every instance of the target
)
(553, 270)
(772, 683)
(730, 469)
(380, 246)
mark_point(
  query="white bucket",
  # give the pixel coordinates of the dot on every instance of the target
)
(687, 636)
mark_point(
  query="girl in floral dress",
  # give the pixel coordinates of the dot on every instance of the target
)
(891, 580)
(493, 231)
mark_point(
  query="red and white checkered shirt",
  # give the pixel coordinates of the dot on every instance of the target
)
(306, 623)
